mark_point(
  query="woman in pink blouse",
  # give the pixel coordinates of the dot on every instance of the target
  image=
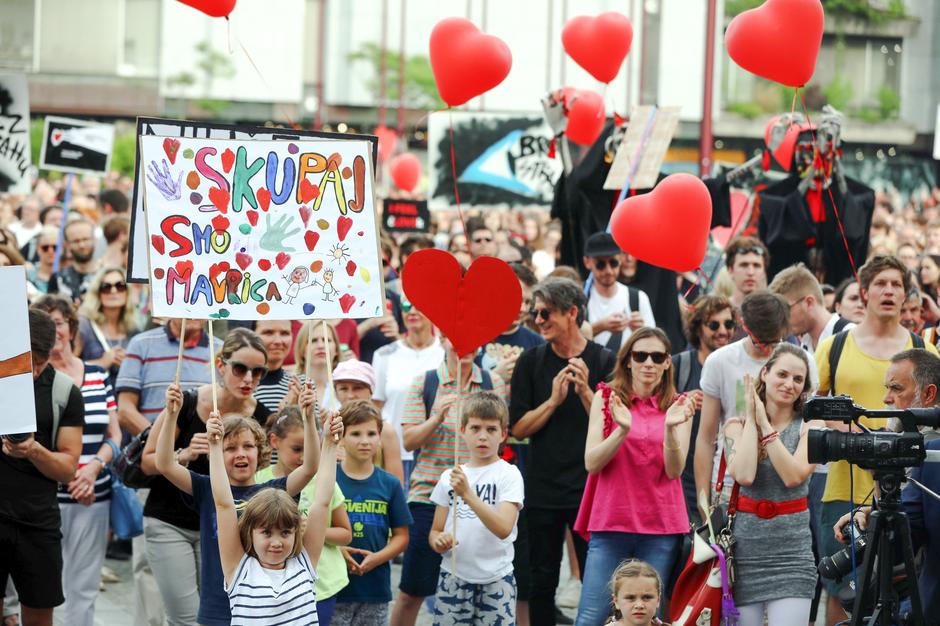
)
(637, 441)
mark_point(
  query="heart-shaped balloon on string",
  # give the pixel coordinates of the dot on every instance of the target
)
(388, 139)
(212, 8)
(598, 44)
(778, 40)
(667, 227)
(465, 61)
(465, 307)
(586, 116)
(406, 171)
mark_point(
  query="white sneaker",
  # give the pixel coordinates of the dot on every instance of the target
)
(570, 594)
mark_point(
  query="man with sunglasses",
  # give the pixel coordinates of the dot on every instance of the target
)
(482, 240)
(746, 259)
(614, 310)
(809, 319)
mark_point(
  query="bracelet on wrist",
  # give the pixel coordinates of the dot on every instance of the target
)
(100, 460)
(179, 459)
(768, 438)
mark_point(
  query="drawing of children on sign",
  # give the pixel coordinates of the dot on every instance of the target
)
(328, 288)
(295, 282)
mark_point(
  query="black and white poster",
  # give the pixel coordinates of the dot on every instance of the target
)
(15, 152)
(406, 216)
(137, 253)
(503, 160)
(77, 146)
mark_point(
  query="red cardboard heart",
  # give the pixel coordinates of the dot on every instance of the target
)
(667, 227)
(220, 198)
(465, 61)
(243, 260)
(305, 214)
(282, 259)
(171, 147)
(778, 40)
(343, 224)
(308, 191)
(252, 217)
(346, 301)
(311, 238)
(462, 305)
(264, 198)
(228, 159)
(598, 44)
(264, 264)
(157, 242)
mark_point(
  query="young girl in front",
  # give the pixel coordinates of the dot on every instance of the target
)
(636, 589)
(269, 571)
(286, 436)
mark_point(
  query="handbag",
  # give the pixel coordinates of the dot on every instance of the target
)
(702, 593)
(126, 511)
(126, 466)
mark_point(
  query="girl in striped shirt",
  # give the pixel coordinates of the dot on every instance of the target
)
(269, 571)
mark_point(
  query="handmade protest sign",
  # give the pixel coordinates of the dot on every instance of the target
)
(406, 216)
(261, 229)
(15, 153)
(640, 155)
(76, 146)
(16, 366)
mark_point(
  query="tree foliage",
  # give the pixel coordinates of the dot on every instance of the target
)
(420, 88)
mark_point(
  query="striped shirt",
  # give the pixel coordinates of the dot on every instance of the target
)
(150, 366)
(274, 597)
(437, 453)
(99, 402)
(273, 388)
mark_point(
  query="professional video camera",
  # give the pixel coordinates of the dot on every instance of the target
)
(888, 541)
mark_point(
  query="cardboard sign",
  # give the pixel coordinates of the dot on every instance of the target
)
(641, 153)
(77, 146)
(262, 229)
(16, 366)
(502, 160)
(406, 216)
(137, 270)
(15, 150)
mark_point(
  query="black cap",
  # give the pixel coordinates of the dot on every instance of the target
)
(601, 244)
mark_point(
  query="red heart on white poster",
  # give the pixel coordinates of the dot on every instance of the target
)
(57, 137)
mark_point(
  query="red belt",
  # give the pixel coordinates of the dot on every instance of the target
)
(767, 509)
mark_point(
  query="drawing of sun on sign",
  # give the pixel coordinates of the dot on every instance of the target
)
(262, 229)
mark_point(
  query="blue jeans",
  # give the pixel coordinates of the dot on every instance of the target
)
(605, 552)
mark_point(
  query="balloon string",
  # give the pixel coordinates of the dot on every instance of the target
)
(835, 209)
(427, 115)
(453, 169)
(796, 90)
(265, 82)
(228, 34)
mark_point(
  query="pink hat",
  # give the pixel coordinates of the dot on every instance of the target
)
(359, 371)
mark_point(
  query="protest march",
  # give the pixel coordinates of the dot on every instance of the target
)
(651, 341)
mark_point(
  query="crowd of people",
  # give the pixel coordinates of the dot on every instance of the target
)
(283, 487)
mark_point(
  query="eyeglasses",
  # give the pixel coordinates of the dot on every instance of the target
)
(714, 325)
(482, 239)
(240, 369)
(540, 314)
(638, 356)
(601, 264)
(118, 287)
(46, 247)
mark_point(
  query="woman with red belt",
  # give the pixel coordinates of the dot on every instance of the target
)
(775, 572)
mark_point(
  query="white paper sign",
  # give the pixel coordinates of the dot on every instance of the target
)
(15, 150)
(16, 370)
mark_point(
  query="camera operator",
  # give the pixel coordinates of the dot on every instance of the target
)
(912, 381)
(30, 468)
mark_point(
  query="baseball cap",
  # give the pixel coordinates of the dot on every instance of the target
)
(601, 244)
(359, 371)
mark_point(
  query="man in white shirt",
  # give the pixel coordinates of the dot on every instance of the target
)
(614, 309)
(809, 319)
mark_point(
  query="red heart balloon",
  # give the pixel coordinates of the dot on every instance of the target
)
(778, 40)
(586, 116)
(598, 44)
(465, 61)
(406, 171)
(462, 305)
(667, 227)
(212, 8)
(388, 138)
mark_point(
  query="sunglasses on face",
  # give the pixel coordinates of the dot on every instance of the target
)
(751, 250)
(540, 314)
(240, 369)
(46, 247)
(638, 356)
(602, 264)
(118, 287)
(714, 325)
(406, 306)
(482, 239)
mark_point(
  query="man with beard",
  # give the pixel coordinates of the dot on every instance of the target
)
(80, 243)
(709, 327)
(809, 319)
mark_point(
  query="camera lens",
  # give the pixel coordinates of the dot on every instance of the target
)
(839, 564)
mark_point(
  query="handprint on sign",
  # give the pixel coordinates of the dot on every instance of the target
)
(162, 179)
(273, 239)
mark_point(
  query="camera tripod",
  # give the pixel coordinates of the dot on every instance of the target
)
(889, 535)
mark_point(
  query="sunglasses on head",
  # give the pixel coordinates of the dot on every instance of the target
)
(118, 287)
(601, 264)
(638, 356)
(714, 325)
(540, 314)
(751, 250)
(240, 369)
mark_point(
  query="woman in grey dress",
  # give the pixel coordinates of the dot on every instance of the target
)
(775, 572)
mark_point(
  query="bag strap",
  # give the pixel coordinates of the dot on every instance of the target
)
(840, 325)
(720, 484)
(633, 298)
(99, 334)
(429, 391)
(683, 370)
(487, 382)
(61, 390)
(917, 340)
(835, 353)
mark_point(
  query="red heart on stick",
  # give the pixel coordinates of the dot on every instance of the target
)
(667, 227)
(778, 40)
(598, 44)
(465, 61)
(586, 116)
(462, 305)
